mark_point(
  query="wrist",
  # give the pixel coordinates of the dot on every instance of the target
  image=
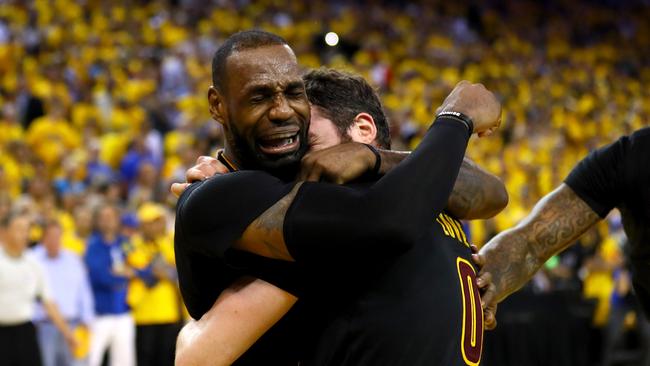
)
(377, 162)
(460, 117)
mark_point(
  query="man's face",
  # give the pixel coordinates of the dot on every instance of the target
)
(266, 109)
(322, 131)
(108, 220)
(18, 232)
(52, 240)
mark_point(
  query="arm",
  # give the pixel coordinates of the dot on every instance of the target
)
(86, 301)
(241, 314)
(334, 219)
(477, 194)
(55, 316)
(514, 256)
(322, 221)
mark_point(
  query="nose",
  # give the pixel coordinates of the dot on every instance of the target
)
(281, 110)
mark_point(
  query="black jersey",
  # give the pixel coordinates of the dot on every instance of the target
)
(421, 307)
(618, 175)
(328, 230)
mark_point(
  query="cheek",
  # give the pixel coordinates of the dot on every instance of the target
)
(323, 133)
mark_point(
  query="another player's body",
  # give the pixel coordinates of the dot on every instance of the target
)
(331, 216)
(615, 176)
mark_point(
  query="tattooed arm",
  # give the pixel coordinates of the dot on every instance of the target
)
(264, 236)
(477, 194)
(513, 256)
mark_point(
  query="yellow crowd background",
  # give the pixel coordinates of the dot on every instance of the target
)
(130, 77)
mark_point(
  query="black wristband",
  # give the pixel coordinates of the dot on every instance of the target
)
(375, 169)
(459, 117)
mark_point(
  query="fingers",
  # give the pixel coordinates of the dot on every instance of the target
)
(488, 301)
(483, 281)
(478, 259)
(195, 174)
(488, 294)
(315, 173)
(490, 317)
(206, 166)
(178, 188)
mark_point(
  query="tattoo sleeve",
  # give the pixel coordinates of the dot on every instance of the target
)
(513, 256)
(477, 194)
(265, 236)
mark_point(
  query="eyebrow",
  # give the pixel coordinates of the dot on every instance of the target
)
(266, 89)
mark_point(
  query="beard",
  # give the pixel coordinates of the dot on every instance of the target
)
(284, 166)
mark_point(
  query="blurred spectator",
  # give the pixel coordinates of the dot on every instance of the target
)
(113, 327)
(51, 137)
(154, 295)
(22, 283)
(137, 155)
(71, 292)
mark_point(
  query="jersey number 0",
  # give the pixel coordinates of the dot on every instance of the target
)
(472, 333)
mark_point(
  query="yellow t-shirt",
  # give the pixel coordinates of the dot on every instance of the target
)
(159, 303)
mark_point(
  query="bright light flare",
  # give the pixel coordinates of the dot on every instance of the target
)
(332, 39)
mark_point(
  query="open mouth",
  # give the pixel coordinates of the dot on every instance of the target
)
(279, 144)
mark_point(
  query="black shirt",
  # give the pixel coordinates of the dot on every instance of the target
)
(618, 175)
(421, 307)
(328, 230)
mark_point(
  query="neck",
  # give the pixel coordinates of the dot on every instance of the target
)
(228, 153)
(51, 254)
(109, 237)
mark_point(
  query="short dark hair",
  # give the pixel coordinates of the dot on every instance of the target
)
(239, 41)
(342, 96)
(12, 216)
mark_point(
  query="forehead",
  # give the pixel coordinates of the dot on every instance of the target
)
(264, 66)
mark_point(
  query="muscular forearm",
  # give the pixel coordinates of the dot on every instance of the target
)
(513, 256)
(389, 215)
(325, 219)
(241, 315)
(477, 194)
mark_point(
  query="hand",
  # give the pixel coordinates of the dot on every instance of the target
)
(123, 271)
(487, 289)
(476, 102)
(338, 164)
(161, 270)
(206, 166)
(71, 341)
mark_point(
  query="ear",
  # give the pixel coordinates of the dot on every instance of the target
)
(363, 129)
(217, 105)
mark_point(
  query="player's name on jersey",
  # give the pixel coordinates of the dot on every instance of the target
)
(452, 227)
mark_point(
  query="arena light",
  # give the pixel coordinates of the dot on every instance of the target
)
(332, 39)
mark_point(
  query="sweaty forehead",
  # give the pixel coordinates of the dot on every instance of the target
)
(267, 65)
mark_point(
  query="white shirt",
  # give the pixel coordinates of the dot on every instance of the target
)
(22, 282)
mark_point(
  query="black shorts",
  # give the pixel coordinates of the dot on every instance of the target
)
(18, 345)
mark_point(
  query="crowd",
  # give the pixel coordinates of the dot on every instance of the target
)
(103, 105)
